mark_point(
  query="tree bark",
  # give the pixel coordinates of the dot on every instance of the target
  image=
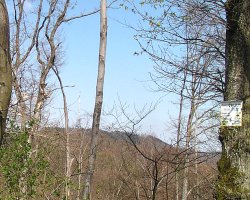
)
(187, 149)
(98, 101)
(69, 160)
(5, 68)
(234, 164)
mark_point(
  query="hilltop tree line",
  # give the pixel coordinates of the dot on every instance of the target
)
(200, 53)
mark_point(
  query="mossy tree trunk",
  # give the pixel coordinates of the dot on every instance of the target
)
(5, 68)
(234, 165)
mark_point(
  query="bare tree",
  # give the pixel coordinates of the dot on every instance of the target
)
(150, 171)
(36, 52)
(37, 47)
(69, 159)
(98, 100)
(198, 77)
(5, 68)
(20, 55)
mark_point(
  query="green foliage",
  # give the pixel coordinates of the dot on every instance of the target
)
(20, 166)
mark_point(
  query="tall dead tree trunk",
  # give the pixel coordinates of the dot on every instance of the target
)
(69, 160)
(98, 100)
(234, 164)
(5, 68)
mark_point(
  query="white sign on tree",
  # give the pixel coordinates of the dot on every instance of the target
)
(231, 113)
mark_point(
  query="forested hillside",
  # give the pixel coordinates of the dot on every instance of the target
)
(125, 99)
(122, 172)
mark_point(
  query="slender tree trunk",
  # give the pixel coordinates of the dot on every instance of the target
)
(234, 164)
(192, 110)
(179, 125)
(80, 158)
(5, 68)
(98, 101)
(187, 149)
(69, 160)
(196, 167)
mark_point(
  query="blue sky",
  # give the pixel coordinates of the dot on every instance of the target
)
(127, 75)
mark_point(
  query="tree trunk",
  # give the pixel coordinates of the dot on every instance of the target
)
(69, 160)
(98, 101)
(179, 126)
(5, 68)
(186, 164)
(234, 164)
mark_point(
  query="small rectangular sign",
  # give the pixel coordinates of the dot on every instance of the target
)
(231, 113)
